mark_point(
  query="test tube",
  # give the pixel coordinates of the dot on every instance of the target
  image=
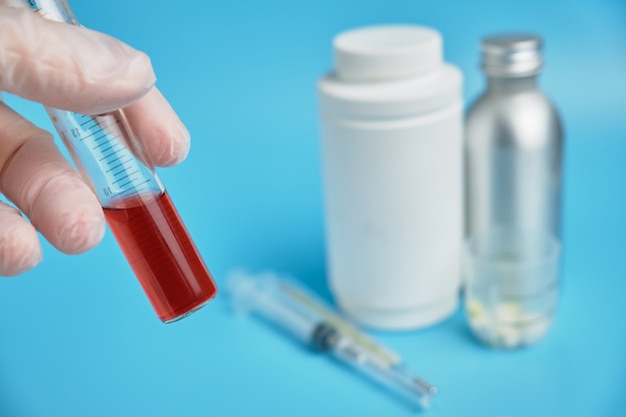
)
(136, 205)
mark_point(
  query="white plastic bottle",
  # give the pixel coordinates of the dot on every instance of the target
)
(391, 115)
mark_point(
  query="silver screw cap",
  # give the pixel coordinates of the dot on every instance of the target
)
(512, 55)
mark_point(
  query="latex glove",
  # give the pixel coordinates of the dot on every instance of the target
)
(76, 69)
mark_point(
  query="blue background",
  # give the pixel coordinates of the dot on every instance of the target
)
(78, 337)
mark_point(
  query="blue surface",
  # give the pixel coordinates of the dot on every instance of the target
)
(78, 337)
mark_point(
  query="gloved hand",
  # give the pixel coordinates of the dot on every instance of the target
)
(76, 69)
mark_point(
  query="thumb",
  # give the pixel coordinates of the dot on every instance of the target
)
(69, 67)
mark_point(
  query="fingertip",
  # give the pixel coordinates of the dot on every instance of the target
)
(174, 149)
(20, 250)
(131, 79)
(70, 67)
(68, 214)
(79, 232)
(165, 138)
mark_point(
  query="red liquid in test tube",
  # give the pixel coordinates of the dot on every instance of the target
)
(162, 255)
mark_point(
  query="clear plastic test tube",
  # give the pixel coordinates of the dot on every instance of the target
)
(137, 207)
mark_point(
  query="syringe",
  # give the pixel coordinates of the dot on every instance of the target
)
(301, 314)
(137, 208)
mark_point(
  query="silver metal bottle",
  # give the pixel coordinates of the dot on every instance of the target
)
(513, 143)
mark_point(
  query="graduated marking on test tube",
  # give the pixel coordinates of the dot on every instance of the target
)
(138, 210)
(102, 141)
(117, 160)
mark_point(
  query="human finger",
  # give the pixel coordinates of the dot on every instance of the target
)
(164, 136)
(69, 67)
(38, 180)
(19, 245)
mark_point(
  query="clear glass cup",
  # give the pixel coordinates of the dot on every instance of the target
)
(511, 286)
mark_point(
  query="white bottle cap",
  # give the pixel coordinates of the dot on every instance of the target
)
(387, 52)
(389, 72)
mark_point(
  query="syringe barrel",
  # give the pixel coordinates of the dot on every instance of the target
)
(286, 305)
(263, 295)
